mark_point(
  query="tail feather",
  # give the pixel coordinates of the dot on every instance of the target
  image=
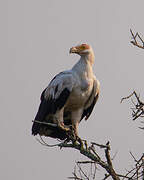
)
(35, 128)
(48, 131)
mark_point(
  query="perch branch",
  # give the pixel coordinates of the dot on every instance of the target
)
(94, 159)
(45, 123)
(92, 155)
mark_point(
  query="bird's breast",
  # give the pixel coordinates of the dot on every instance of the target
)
(85, 85)
(79, 95)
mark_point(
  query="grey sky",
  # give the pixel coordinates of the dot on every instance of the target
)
(35, 41)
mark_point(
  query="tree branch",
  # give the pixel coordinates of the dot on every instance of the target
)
(135, 39)
(90, 153)
(138, 110)
(95, 159)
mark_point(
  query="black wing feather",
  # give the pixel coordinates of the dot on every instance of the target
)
(47, 107)
(87, 112)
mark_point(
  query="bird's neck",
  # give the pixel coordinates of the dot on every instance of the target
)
(84, 65)
(88, 58)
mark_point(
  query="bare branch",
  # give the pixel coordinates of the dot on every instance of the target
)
(94, 159)
(127, 97)
(85, 162)
(81, 171)
(138, 110)
(133, 157)
(99, 145)
(135, 39)
(42, 142)
(114, 156)
(136, 172)
(88, 152)
(81, 174)
(106, 176)
(107, 154)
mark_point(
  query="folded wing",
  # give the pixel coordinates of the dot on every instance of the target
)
(53, 98)
(92, 100)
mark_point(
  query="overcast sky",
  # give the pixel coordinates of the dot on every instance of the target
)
(34, 45)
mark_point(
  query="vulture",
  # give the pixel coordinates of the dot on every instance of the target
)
(70, 97)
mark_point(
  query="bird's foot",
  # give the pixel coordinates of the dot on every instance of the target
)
(76, 140)
(80, 143)
(86, 145)
(63, 127)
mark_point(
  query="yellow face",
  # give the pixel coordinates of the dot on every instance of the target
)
(80, 49)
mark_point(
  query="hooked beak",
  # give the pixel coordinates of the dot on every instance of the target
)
(73, 50)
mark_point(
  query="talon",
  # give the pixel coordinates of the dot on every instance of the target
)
(63, 127)
(85, 143)
(81, 143)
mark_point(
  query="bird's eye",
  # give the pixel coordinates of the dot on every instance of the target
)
(83, 47)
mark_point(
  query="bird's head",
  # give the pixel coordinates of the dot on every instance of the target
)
(83, 49)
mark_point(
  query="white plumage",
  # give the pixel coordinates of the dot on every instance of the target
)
(69, 97)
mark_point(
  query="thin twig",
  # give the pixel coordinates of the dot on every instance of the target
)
(99, 145)
(42, 142)
(81, 170)
(127, 97)
(135, 38)
(138, 110)
(133, 157)
(85, 162)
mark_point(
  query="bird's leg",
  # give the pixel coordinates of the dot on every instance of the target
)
(75, 130)
(75, 134)
(75, 119)
(59, 120)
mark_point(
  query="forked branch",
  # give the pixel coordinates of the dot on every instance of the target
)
(138, 109)
(137, 40)
(90, 153)
(94, 160)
